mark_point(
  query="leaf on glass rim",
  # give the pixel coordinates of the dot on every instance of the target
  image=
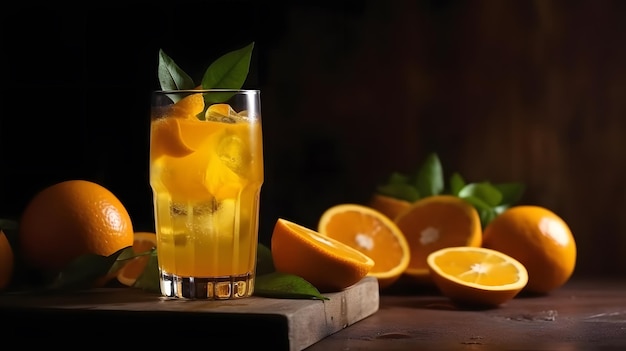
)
(229, 71)
(285, 286)
(171, 76)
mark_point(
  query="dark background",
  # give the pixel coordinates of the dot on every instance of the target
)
(525, 91)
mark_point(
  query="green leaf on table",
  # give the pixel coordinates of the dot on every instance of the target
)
(264, 260)
(83, 271)
(429, 178)
(285, 286)
(149, 278)
(171, 76)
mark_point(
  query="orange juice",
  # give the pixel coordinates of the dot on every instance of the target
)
(206, 172)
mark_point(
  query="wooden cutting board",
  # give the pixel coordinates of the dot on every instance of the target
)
(274, 324)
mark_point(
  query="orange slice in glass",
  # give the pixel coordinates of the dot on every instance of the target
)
(373, 234)
(477, 276)
(434, 223)
(167, 139)
(188, 107)
(326, 263)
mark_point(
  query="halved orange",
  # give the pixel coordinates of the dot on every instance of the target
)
(477, 276)
(142, 242)
(372, 233)
(434, 223)
(326, 263)
(387, 205)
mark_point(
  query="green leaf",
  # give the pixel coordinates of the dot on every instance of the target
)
(429, 179)
(483, 191)
(486, 216)
(485, 211)
(230, 70)
(285, 286)
(499, 209)
(398, 186)
(171, 76)
(8, 224)
(399, 191)
(511, 192)
(264, 260)
(10, 228)
(83, 271)
(149, 278)
(456, 183)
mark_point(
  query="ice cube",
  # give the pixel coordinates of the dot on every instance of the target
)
(224, 113)
(234, 152)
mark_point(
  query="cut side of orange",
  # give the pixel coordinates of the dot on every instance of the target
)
(434, 223)
(143, 242)
(326, 263)
(372, 233)
(477, 276)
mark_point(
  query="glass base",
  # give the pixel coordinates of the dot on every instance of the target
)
(215, 288)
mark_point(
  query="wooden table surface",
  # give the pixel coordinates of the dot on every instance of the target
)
(584, 314)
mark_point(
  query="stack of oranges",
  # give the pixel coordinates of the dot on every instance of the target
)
(436, 240)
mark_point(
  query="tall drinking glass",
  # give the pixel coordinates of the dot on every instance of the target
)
(206, 172)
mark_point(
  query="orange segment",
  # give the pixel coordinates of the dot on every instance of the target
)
(373, 234)
(437, 222)
(538, 238)
(143, 242)
(476, 276)
(326, 263)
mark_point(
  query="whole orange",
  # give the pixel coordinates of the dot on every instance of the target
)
(70, 219)
(540, 240)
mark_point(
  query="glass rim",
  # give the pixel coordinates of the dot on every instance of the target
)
(216, 90)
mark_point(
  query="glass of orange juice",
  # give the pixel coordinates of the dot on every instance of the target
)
(206, 172)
